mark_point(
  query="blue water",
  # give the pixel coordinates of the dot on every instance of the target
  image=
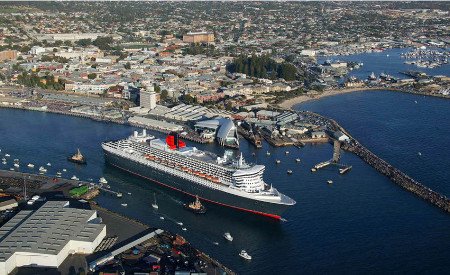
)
(388, 62)
(361, 223)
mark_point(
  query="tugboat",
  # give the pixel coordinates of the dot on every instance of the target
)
(196, 206)
(78, 158)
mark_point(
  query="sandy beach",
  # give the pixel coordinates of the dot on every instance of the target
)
(288, 104)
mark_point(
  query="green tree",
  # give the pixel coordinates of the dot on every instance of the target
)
(92, 76)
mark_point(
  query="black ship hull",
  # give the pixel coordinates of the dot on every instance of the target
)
(190, 188)
(76, 161)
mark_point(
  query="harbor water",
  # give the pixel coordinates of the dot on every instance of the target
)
(361, 222)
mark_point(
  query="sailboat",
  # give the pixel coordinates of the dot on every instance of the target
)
(154, 205)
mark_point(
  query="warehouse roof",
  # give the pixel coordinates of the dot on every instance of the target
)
(48, 230)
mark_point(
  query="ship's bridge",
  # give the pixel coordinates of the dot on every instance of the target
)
(249, 179)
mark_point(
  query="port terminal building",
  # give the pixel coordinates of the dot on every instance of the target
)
(223, 129)
(46, 236)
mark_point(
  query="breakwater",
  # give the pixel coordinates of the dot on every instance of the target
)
(398, 176)
(393, 173)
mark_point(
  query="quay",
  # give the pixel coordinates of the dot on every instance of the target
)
(255, 140)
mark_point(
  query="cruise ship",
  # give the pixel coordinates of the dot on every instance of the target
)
(225, 181)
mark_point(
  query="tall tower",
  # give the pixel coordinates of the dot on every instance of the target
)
(148, 99)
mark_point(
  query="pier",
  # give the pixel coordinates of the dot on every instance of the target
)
(254, 139)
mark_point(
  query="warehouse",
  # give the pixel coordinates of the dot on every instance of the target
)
(45, 237)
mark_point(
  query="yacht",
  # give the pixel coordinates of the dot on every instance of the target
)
(228, 236)
(124, 204)
(297, 160)
(49, 164)
(103, 180)
(30, 165)
(277, 161)
(119, 195)
(289, 172)
(42, 169)
(74, 178)
(64, 170)
(161, 218)
(245, 255)
(329, 181)
(7, 155)
(179, 223)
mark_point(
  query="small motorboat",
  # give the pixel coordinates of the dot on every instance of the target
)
(184, 228)
(119, 195)
(42, 169)
(179, 223)
(287, 152)
(329, 181)
(419, 153)
(30, 165)
(16, 165)
(7, 155)
(124, 204)
(215, 243)
(12, 169)
(49, 164)
(313, 169)
(268, 153)
(228, 236)
(3, 159)
(58, 174)
(278, 161)
(103, 180)
(289, 172)
(4, 162)
(297, 160)
(161, 218)
(64, 170)
(245, 255)
(74, 178)
(129, 193)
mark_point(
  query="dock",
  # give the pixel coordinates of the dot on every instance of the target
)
(254, 139)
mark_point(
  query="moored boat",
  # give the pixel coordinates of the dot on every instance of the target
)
(245, 255)
(228, 236)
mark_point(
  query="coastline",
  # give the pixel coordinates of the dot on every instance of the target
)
(290, 103)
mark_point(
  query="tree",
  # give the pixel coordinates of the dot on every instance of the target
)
(92, 76)
(164, 94)
(103, 42)
(127, 65)
(84, 42)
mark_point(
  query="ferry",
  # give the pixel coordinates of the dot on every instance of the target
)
(225, 181)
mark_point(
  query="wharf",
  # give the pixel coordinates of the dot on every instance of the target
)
(255, 140)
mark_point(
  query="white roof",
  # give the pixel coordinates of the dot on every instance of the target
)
(47, 230)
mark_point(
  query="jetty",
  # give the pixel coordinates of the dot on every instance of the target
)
(254, 139)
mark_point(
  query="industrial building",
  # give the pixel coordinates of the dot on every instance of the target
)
(46, 236)
(222, 128)
(7, 203)
(155, 124)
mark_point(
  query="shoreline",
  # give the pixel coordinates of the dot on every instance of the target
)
(290, 103)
